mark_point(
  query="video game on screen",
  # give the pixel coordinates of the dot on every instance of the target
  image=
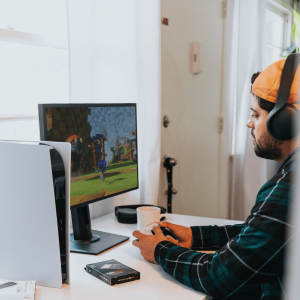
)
(103, 148)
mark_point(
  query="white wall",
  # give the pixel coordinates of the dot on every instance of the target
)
(193, 104)
(115, 58)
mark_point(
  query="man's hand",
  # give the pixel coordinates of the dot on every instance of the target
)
(148, 243)
(184, 234)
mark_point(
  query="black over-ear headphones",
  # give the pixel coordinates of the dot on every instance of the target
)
(282, 119)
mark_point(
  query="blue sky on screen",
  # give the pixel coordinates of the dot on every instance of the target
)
(117, 121)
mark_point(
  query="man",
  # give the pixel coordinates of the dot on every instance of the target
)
(249, 261)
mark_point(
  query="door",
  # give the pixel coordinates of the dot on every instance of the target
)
(192, 102)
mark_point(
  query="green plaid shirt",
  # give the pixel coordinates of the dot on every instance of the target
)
(249, 261)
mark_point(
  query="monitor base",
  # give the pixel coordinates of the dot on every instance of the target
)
(106, 241)
(93, 239)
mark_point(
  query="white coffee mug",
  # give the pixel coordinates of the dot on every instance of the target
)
(149, 214)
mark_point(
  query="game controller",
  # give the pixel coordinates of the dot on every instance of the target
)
(166, 231)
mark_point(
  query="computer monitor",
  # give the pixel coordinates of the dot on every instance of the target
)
(104, 161)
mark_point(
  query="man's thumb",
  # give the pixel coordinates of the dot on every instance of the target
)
(170, 239)
(167, 225)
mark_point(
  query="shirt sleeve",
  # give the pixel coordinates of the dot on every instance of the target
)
(214, 237)
(247, 260)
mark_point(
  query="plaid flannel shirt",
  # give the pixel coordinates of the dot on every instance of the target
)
(249, 261)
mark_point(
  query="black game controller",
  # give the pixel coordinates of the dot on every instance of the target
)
(166, 231)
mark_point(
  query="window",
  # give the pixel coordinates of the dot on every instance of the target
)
(34, 63)
(278, 31)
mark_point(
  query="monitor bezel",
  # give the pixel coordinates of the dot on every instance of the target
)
(43, 130)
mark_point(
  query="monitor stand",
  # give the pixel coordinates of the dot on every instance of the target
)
(88, 241)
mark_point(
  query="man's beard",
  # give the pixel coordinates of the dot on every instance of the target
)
(267, 147)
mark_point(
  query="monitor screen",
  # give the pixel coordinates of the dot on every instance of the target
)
(103, 140)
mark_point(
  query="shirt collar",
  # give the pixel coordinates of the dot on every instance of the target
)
(289, 158)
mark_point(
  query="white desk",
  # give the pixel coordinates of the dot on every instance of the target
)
(155, 283)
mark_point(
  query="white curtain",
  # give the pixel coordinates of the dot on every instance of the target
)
(244, 51)
(114, 49)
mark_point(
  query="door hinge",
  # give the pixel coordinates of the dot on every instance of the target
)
(221, 124)
(224, 9)
(165, 21)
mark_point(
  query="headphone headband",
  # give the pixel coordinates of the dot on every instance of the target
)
(281, 119)
(287, 78)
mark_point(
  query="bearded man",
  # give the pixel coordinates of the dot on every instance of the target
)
(249, 262)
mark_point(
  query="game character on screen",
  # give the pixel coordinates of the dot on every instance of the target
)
(102, 166)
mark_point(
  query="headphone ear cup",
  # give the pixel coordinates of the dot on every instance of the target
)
(282, 124)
